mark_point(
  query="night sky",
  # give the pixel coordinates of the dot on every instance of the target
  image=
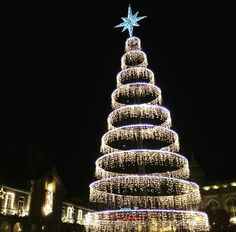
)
(58, 70)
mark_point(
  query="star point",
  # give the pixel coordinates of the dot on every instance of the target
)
(130, 22)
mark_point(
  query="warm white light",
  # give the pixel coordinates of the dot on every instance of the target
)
(233, 184)
(215, 186)
(9, 200)
(50, 187)
(140, 112)
(48, 204)
(136, 90)
(134, 55)
(233, 220)
(122, 192)
(145, 157)
(135, 74)
(139, 132)
(2, 193)
(129, 220)
(69, 214)
(143, 185)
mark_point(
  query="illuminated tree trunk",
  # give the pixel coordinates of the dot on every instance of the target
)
(142, 178)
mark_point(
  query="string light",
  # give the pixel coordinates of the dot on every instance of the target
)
(142, 157)
(132, 44)
(145, 191)
(136, 90)
(152, 219)
(141, 112)
(135, 58)
(140, 132)
(141, 177)
(135, 74)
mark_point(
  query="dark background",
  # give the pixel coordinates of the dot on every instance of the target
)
(58, 70)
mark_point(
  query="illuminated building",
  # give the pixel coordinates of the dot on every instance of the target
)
(216, 195)
(39, 205)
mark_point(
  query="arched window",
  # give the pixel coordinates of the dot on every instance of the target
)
(17, 227)
(5, 227)
(213, 204)
(70, 214)
(231, 206)
(80, 216)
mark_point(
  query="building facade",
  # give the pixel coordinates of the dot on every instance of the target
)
(40, 207)
(220, 195)
(217, 196)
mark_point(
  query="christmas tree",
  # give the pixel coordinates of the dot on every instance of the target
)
(142, 182)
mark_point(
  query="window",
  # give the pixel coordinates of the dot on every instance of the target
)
(48, 204)
(231, 205)
(80, 216)
(21, 206)
(63, 213)
(213, 204)
(70, 214)
(21, 203)
(9, 200)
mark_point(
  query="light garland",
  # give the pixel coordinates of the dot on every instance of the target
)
(135, 74)
(126, 191)
(140, 112)
(143, 157)
(137, 90)
(140, 132)
(139, 138)
(132, 44)
(146, 220)
(135, 58)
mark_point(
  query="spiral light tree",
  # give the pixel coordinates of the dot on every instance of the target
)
(142, 182)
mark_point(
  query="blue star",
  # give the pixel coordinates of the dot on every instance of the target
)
(130, 21)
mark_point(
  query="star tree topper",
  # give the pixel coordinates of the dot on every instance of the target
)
(130, 21)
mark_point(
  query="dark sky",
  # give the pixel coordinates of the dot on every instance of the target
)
(58, 69)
